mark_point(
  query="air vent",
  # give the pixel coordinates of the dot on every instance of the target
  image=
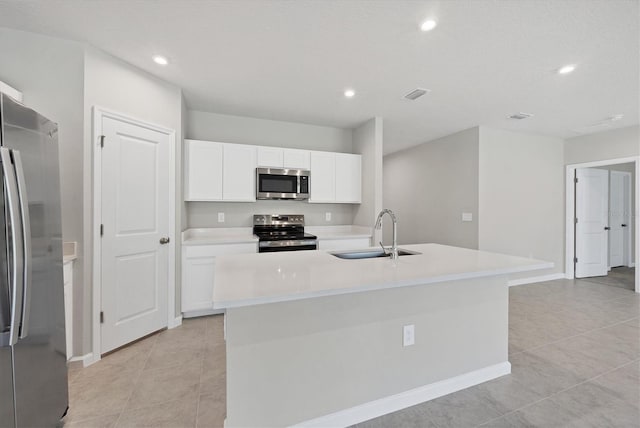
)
(520, 116)
(416, 93)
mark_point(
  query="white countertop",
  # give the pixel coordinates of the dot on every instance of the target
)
(253, 279)
(229, 235)
(339, 232)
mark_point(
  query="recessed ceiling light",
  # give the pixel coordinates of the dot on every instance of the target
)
(615, 117)
(428, 25)
(161, 60)
(349, 93)
(566, 69)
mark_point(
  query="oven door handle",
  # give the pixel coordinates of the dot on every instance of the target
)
(288, 243)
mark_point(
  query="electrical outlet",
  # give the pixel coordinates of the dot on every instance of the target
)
(327, 216)
(467, 216)
(408, 335)
(220, 217)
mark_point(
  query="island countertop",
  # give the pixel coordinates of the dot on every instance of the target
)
(254, 279)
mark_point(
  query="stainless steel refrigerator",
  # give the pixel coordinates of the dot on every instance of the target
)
(33, 370)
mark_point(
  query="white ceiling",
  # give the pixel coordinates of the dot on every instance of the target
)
(292, 60)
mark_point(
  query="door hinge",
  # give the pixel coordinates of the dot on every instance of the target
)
(102, 141)
(101, 229)
(575, 180)
(576, 220)
(101, 317)
(575, 260)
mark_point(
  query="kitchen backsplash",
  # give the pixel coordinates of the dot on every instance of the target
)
(239, 214)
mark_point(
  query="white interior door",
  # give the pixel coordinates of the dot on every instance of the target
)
(617, 219)
(135, 219)
(592, 206)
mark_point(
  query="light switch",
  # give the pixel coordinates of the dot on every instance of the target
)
(467, 216)
(408, 335)
(220, 217)
(327, 216)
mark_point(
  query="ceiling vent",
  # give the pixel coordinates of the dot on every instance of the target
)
(520, 116)
(416, 93)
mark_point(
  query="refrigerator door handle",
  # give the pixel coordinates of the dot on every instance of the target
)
(26, 242)
(15, 244)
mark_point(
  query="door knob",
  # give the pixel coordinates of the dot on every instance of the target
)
(623, 225)
(164, 241)
(607, 228)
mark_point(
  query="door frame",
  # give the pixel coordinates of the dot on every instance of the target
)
(628, 197)
(570, 212)
(98, 114)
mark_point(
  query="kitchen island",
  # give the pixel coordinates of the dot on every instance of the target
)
(316, 340)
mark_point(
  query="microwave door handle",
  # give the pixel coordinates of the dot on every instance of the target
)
(26, 242)
(15, 243)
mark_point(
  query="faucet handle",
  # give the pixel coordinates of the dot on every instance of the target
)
(383, 248)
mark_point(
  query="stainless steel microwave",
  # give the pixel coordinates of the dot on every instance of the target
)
(276, 183)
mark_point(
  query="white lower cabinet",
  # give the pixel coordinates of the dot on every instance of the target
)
(198, 275)
(344, 244)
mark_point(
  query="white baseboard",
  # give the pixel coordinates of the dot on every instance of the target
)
(86, 359)
(534, 279)
(393, 403)
(177, 322)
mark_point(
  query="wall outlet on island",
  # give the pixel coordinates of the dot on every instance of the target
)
(408, 335)
(327, 216)
(220, 217)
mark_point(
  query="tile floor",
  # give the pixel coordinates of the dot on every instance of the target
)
(175, 378)
(622, 277)
(574, 348)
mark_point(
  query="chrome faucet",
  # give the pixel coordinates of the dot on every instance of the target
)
(394, 247)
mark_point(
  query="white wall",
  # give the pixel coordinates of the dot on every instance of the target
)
(430, 186)
(617, 143)
(116, 85)
(367, 141)
(521, 194)
(262, 132)
(49, 72)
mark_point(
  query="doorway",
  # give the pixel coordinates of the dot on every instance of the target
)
(602, 221)
(134, 238)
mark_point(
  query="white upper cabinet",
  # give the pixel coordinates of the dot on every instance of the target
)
(220, 171)
(203, 170)
(323, 177)
(239, 173)
(297, 159)
(348, 178)
(227, 172)
(270, 157)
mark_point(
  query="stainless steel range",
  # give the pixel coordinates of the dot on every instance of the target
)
(278, 232)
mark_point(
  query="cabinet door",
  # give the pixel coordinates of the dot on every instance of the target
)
(239, 173)
(323, 177)
(297, 159)
(270, 157)
(197, 283)
(348, 178)
(203, 171)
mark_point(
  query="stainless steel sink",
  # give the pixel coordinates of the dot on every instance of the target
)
(369, 254)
